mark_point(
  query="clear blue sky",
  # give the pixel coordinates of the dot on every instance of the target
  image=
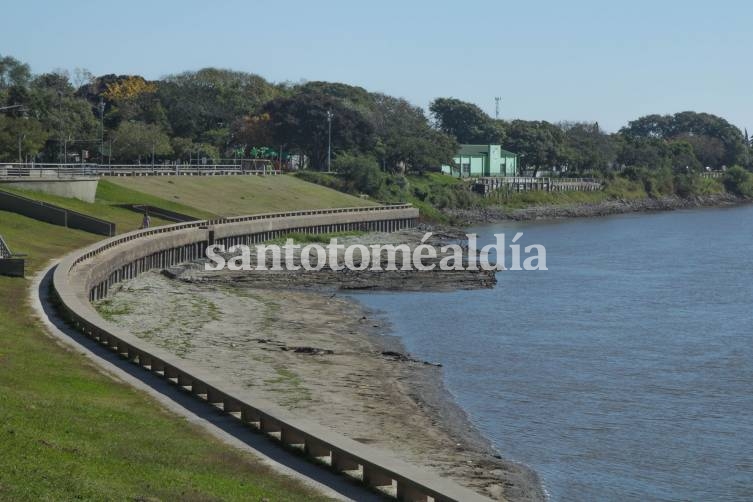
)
(576, 60)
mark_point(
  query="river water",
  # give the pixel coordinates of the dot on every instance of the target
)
(625, 371)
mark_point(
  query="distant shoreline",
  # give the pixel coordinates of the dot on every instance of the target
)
(468, 217)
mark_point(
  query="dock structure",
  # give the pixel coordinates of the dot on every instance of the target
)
(489, 185)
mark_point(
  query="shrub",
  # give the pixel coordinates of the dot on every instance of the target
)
(361, 172)
(738, 181)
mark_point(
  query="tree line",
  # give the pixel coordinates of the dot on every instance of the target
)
(222, 114)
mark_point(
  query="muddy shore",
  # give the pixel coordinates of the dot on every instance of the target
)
(322, 355)
(465, 217)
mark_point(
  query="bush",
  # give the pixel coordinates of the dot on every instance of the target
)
(738, 181)
(323, 179)
(361, 172)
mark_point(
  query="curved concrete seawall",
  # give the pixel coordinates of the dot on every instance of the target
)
(87, 275)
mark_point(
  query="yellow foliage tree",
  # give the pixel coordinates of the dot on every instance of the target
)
(128, 88)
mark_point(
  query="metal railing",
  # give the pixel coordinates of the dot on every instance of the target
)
(11, 264)
(136, 234)
(4, 249)
(15, 170)
(530, 179)
(487, 185)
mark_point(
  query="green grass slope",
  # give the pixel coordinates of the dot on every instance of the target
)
(68, 432)
(238, 195)
(105, 206)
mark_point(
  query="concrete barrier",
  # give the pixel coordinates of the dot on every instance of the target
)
(159, 212)
(89, 273)
(56, 215)
(82, 188)
(12, 267)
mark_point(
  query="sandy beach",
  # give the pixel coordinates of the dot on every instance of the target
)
(321, 355)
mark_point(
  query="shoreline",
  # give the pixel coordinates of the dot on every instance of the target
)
(432, 391)
(493, 214)
(342, 379)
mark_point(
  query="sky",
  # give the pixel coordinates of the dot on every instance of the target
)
(580, 60)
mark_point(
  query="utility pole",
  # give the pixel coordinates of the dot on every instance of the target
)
(496, 110)
(60, 113)
(101, 131)
(329, 141)
(21, 137)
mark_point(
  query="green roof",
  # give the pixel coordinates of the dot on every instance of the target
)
(472, 150)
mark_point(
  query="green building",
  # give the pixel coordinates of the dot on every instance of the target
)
(483, 160)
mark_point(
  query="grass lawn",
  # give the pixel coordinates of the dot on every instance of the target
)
(67, 432)
(238, 195)
(106, 205)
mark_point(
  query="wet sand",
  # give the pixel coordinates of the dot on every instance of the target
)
(320, 355)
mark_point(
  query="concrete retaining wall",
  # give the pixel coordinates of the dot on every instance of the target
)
(12, 267)
(88, 274)
(56, 215)
(79, 188)
(159, 212)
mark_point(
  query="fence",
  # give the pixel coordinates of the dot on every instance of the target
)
(95, 269)
(4, 249)
(11, 170)
(165, 214)
(486, 186)
(53, 214)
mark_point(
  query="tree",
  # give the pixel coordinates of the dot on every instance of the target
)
(184, 149)
(13, 73)
(587, 148)
(539, 144)
(465, 121)
(406, 137)
(252, 131)
(50, 100)
(211, 98)
(134, 140)
(20, 137)
(350, 96)
(738, 181)
(708, 150)
(133, 98)
(299, 122)
(716, 142)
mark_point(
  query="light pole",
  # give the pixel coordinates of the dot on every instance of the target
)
(329, 141)
(60, 113)
(21, 137)
(101, 131)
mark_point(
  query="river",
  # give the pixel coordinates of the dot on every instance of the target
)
(625, 371)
